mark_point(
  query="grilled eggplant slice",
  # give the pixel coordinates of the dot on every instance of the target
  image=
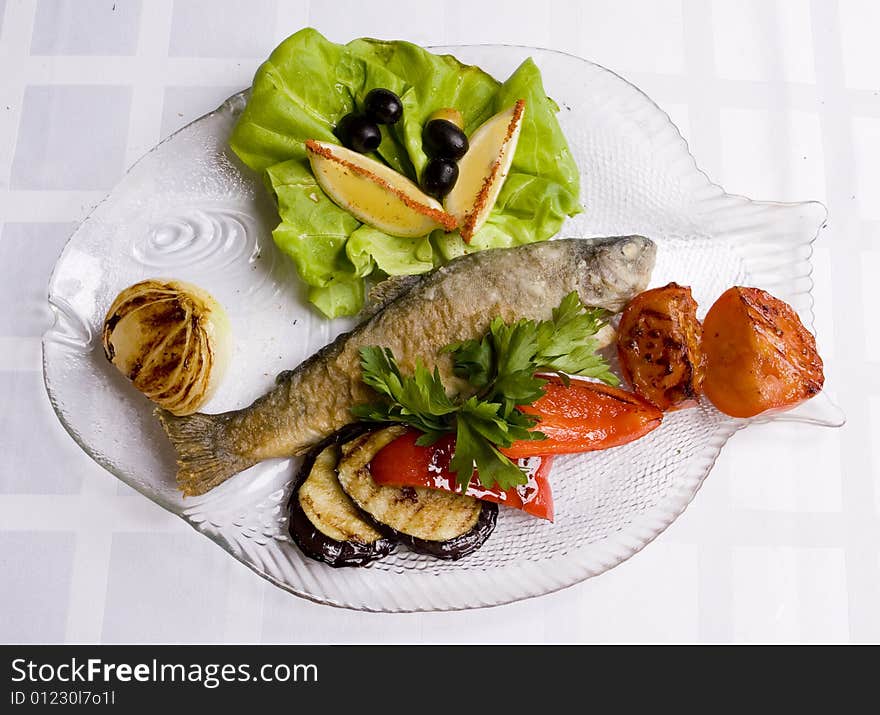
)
(325, 523)
(430, 521)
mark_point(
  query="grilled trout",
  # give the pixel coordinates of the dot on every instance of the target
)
(416, 319)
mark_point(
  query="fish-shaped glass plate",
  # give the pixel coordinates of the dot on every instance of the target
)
(190, 210)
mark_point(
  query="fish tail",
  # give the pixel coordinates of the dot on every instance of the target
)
(203, 461)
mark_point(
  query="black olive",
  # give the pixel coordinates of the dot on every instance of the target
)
(441, 139)
(439, 176)
(383, 106)
(450, 114)
(358, 133)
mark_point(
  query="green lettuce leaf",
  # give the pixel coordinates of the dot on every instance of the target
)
(393, 255)
(543, 185)
(294, 97)
(316, 239)
(309, 83)
(338, 298)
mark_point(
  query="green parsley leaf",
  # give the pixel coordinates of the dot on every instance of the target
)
(515, 346)
(474, 450)
(419, 401)
(474, 361)
(566, 343)
(488, 420)
(501, 368)
(502, 365)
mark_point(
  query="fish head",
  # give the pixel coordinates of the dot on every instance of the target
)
(614, 270)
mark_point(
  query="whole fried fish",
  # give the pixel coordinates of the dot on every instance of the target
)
(416, 319)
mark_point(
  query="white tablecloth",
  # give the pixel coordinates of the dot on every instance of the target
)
(778, 100)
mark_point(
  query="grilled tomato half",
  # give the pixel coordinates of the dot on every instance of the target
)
(759, 356)
(659, 346)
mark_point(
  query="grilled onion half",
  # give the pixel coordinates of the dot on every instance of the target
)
(171, 339)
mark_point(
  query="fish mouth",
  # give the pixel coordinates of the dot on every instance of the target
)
(637, 248)
(621, 268)
(638, 254)
(633, 249)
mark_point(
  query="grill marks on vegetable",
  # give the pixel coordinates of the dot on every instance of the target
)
(664, 351)
(752, 353)
(340, 516)
(659, 346)
(795, 346)
(171, 323)
(420, 513)
(759, 354)
(173, 343)
(324, 522)
(328, 507)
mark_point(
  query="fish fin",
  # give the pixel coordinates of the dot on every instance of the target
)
(202, 461)
(387, 291)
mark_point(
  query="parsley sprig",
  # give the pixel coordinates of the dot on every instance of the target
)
(501, 369)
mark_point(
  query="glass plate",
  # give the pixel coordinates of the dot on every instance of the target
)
(190, 210)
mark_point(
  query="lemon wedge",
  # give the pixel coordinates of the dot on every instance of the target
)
(482, 171)
(374, 193)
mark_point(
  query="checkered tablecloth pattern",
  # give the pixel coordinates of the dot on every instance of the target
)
(778, 100)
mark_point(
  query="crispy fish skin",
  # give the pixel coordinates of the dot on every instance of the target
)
(455, 302)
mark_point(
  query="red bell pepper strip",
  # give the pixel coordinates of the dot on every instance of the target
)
(404, 463)
(585, 416)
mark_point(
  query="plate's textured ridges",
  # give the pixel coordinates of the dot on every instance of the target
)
(190, 195)
(774, 240)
